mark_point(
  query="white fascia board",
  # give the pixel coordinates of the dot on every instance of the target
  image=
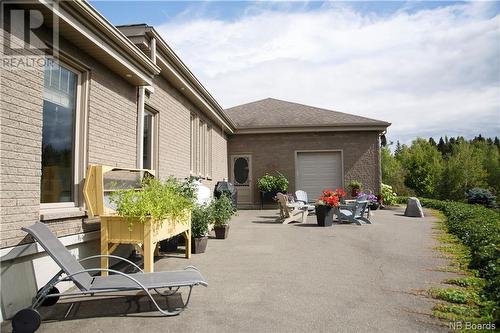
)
(98, 41)
(188, 86)
(306, 129)
(123, 40)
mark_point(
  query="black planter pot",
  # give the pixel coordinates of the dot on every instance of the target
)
(374, 205)
(267, 197)
(221, 231)
(199, 245)
(324, 216)
(169, 245)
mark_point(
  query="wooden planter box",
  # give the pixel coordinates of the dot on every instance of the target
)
(115, 229)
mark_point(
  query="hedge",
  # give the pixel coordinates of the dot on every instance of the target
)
(478, 228)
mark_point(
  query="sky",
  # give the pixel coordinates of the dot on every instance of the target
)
(430, 68)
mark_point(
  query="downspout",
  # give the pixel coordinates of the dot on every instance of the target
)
(140, 126)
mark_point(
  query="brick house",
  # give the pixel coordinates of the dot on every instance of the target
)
(119, 96)
(103, 99)
(314, 148)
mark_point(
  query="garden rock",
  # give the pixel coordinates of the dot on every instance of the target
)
(414, 208)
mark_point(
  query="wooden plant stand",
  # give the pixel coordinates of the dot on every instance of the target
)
(115, 229)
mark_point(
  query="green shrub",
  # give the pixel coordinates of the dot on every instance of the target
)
(388, 195)
(201, 217)
(478, 228)
(270, 183)
(156, 200)
(355, 185)
(222, 210)
(481, 196)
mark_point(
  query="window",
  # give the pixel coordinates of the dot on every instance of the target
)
(59, 147)
(192, 142)
(201, 147)
(203, 150)
(209, 152)
(149, 140)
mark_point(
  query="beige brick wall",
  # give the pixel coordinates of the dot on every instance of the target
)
(219, 157)
(111, 138)
(112, 121)
(174, 112)
(276, 152)
(20, 147)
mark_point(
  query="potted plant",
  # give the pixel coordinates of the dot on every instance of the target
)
(372, 200)
(355, 188)
(201, 217)
(270, 185)
(222, 210)
(326, 205)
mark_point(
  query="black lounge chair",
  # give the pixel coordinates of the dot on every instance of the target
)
(28, 320)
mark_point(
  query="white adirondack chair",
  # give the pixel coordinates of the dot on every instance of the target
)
(302, 197)
(291, 212)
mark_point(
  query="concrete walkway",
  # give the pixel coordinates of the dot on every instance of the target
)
(268, 277)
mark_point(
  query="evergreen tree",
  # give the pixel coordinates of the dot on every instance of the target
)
(441, 146)
(398, 148)
(497, 142)
(432, 142)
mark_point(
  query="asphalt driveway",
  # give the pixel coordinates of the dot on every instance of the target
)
(268, 277)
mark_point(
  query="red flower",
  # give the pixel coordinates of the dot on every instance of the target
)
(340, 192)
(331, 198)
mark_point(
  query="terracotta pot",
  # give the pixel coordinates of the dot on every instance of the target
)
(199, 245)
(221, 231)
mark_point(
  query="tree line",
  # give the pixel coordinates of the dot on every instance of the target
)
(446, 169)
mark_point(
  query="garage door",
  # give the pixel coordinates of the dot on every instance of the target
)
(317, 171)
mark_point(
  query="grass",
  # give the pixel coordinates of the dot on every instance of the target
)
(462, 300)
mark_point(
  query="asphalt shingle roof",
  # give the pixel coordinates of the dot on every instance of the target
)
(272, 112)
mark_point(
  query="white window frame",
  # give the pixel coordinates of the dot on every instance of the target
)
(153, 150)
(200, 157)
(80, 135)
(209, 152)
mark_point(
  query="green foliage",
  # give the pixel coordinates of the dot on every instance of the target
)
(459, 166)
(355, 185)
(464, 170)
(389, 195)
(201, 217)
(455, 295)
(156, 200)
(424, 165)
(222, 210)
(478, 228)
(465, 282)
(270, 183)
(392, 171)
(481, 196)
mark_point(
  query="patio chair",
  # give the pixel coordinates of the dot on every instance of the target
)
(353, 213)
(302, 197)
(28, 320)
(291, 212)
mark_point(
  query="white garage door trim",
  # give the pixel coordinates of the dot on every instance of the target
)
(297, 152)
